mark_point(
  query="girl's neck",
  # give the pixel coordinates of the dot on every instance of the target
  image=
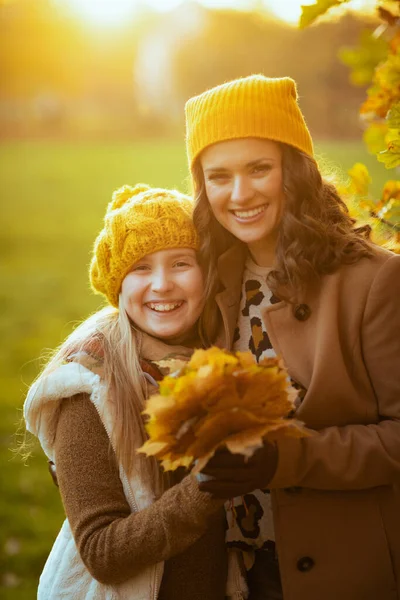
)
(189, 339)
(155, 348)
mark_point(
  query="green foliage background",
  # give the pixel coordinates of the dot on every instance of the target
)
(54, 196)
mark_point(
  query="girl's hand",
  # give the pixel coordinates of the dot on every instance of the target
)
(233, 475)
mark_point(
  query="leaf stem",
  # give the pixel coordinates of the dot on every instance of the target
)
(393, 226)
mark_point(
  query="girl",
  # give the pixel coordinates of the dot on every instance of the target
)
(293, 276)
(129, 532)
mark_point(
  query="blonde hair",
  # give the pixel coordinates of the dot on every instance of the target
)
(110, 333)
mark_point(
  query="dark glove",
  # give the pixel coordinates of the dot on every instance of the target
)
(234, 475)
(52, 471)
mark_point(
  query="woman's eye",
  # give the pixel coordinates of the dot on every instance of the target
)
(140, 268)
(259, 169)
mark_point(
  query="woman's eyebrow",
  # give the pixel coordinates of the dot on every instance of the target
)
(257, 161)
(252, 163)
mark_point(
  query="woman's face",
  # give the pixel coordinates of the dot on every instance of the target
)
(163, 293)
(243, 180)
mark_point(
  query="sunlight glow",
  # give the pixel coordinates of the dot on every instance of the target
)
(114, 12)
(290, 10)
(239, 4)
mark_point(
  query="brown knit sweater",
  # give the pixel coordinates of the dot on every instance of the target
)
(185, 527)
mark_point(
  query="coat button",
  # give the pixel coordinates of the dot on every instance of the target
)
(305, 563)
(302, 312)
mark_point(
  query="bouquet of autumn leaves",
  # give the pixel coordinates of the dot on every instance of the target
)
(218, 399)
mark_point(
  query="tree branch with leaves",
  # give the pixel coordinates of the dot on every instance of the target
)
(376, 63)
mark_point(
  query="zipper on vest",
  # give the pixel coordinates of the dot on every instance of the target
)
(131, 496)
(156, 583)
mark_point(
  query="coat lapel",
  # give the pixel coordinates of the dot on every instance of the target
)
(277, 317)
(230, 270)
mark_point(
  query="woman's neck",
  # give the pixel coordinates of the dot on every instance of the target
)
(263, 252)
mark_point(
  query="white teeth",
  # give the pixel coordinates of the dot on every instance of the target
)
(164, 307)
(244, 214)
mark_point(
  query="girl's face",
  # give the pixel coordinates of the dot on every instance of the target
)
(163, 293)
(243, 180)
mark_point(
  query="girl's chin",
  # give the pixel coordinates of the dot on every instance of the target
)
(167, 331)
(175, 337)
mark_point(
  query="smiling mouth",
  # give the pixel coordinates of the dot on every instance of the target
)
(249, 214)
(164, 307)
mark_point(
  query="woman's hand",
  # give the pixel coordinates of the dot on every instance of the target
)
(235, 475)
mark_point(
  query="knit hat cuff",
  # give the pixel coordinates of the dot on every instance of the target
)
(249, 124)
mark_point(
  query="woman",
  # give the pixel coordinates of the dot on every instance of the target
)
(293, 276)
(130, 532)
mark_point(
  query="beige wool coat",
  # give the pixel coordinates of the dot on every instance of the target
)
(336, 494)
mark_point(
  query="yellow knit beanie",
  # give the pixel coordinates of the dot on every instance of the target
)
(254, 106)
(139, 220)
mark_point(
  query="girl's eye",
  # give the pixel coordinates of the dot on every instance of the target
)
(182, 263)
(218, 177)
(140, 268)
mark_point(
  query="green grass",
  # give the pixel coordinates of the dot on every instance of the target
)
(53, 201)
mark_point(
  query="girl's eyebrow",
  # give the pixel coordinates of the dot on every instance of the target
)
(215, 170)
(181, 253)
(250, 164)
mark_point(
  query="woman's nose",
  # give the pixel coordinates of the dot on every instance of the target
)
(242, 189)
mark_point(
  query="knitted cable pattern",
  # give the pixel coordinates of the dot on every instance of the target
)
(254, 106)
(139, 220)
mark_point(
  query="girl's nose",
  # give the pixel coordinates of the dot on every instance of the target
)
(242, 189)
(160, 281)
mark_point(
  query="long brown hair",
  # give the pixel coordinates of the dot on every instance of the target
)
(316, 234)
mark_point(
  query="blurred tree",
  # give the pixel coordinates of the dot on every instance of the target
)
(134, 80)
(40, 50)
(232, 43)
(56, 69)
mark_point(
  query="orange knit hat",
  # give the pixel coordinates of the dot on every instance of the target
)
(254, 106)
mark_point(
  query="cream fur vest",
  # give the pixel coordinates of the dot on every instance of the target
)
(64, 574)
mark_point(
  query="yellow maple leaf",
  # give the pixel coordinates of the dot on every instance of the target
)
(391, 189)
(212, 357)
(360, 179)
